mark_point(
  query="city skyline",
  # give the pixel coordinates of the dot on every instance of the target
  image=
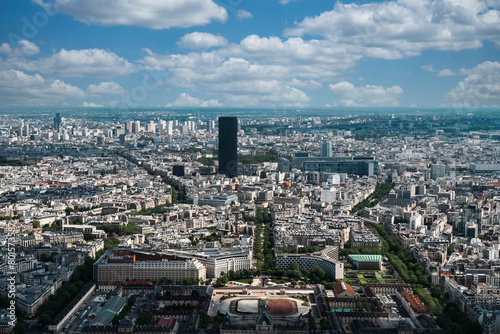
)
(389, 218)
(249, 54)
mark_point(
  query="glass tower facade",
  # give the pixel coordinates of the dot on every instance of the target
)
(228, 146)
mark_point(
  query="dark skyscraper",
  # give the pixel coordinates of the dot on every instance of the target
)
(228, 146)
(57, 122)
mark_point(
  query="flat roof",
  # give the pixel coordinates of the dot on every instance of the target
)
(109, 311)
(104, 318)
(365, 257)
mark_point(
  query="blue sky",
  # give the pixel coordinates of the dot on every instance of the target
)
(249, 53)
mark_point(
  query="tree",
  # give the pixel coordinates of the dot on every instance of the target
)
(204, 321)
(131, 301)
(190, 281)
(451, 249)
(312, 322)
(145, 319)
(295, 274)
(222, 280)
(232, 275)
(367, 307)
(294, 266)
(36, 224)
(45, 319)
(319, 273)
(21, 326)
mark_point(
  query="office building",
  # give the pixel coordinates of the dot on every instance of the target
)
(471, 230)
(128, 127)
(228, 146)
(415, 222)
(101, 140)
(178, 170)
(326, 260)
(20, 132)
(136, 127)
(437, 171)
(219, 199)
(126, 265)
(362, 166)
(328, 194)
(326, 149)
(484, 168)
(218, 261)
(57, 122)
(283, 165)
(366, 262)
(210, 126)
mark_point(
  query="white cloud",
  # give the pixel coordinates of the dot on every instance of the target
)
(258, 95)
(91, 105)
(201, 40)
(27, 48)
(106, 88)
(242, 69)
(285, 2)
(263, 92)
(24, 48)
(19, 88)
(265, 69)
(428, 68)
(185, 100)
(79, 63)
(480, 87)
(446, 73)
(243, 14)
(153, 14)
(350, 95)
(236, 78)
(5, 48)
(256, 58)
(403, 28)
(313, 84)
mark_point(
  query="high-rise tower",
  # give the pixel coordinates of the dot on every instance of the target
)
(228, 146)
(57, 122)
(326, 149)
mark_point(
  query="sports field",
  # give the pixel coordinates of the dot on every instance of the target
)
(274, 306)
(281, 306)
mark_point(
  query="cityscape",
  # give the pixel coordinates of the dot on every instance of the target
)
(198, 222)
(250, 166)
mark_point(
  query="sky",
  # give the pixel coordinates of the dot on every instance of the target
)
(250, 53)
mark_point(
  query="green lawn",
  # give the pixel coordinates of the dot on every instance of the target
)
(362, 279)
(244, 280)
(379, 277)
